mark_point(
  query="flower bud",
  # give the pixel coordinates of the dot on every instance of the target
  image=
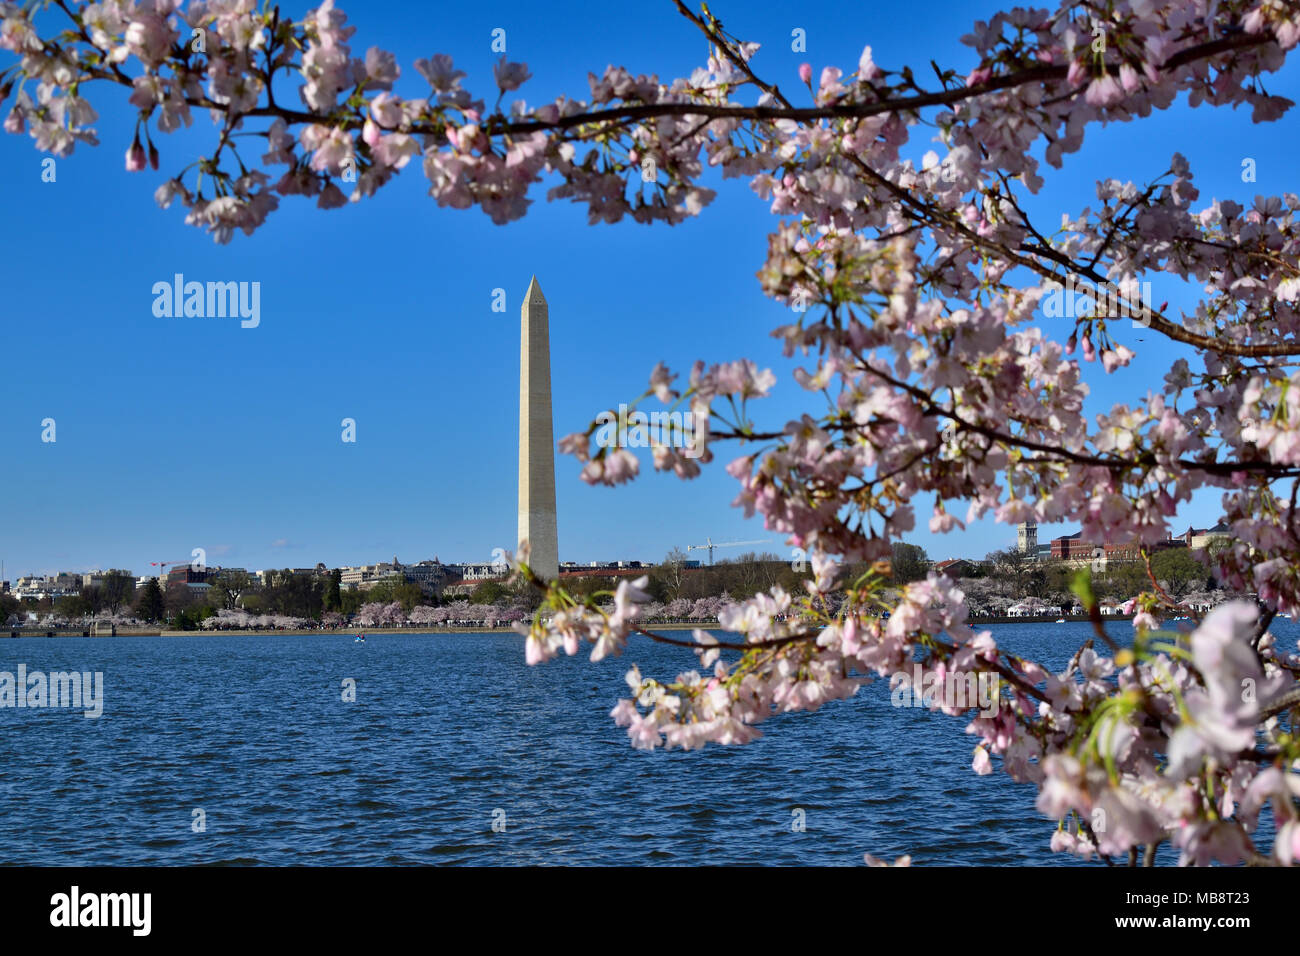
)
(135, 158)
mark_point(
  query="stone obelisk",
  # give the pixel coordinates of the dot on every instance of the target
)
(536, 441)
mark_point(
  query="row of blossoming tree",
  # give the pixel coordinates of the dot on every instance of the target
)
(931, 367)
(392, 614)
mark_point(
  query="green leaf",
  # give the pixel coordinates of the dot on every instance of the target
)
(1081, 587)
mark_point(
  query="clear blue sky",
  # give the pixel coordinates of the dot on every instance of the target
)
(183, 433)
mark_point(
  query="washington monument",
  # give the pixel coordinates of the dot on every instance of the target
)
(536, 441)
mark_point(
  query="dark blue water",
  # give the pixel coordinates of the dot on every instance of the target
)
(449, 729)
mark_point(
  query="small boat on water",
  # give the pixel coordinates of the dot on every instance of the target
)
(359, 639)
(1060, 620)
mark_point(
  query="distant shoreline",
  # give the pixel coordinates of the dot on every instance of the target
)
(1044, 619)
(977, 622)
(290, 632)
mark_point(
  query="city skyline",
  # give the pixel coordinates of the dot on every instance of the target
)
(1026, 540)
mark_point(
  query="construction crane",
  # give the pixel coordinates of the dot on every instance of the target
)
(709, 545)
